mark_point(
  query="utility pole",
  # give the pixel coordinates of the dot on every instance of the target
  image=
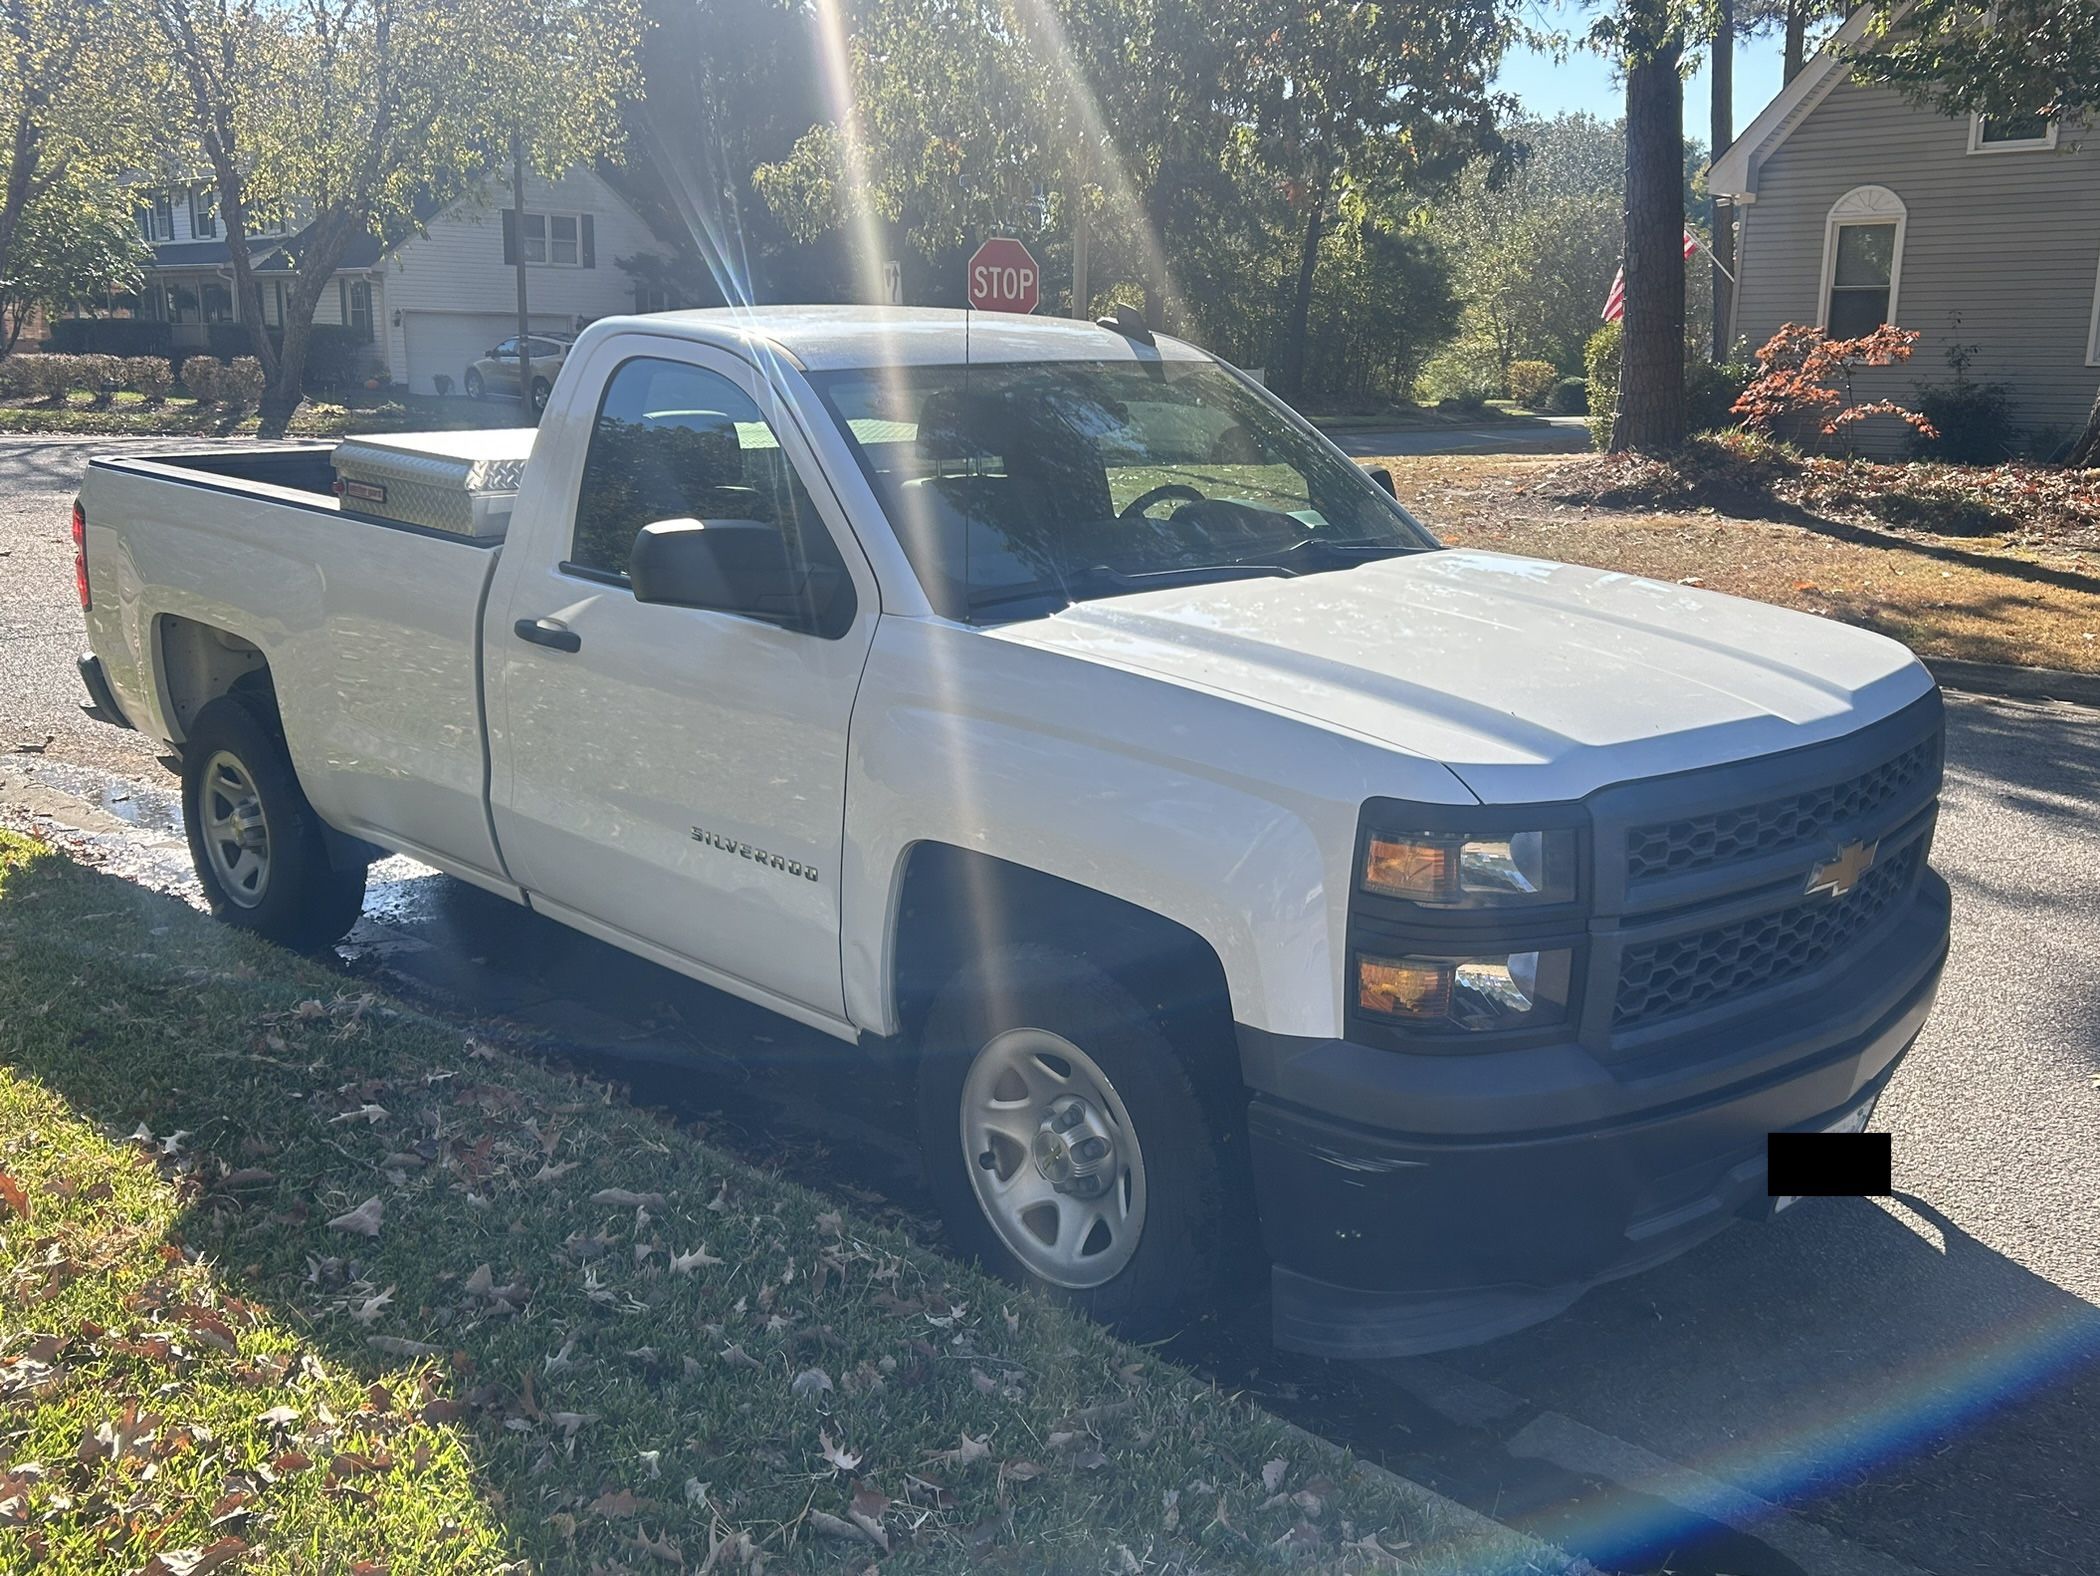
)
(1082, 289)
(517, 224)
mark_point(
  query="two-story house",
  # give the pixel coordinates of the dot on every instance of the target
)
(427, 306)
(1858, 208)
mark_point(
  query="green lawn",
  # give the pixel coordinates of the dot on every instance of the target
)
(299, 1280)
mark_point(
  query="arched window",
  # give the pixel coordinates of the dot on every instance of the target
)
(1862, 261)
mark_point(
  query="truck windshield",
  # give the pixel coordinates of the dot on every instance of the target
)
(1020, 488)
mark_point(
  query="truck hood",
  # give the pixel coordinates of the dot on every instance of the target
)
(1530, 680)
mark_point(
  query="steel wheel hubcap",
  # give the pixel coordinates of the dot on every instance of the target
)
(1053, 1157)
(236, 832)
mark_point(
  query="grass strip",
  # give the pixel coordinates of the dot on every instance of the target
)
(294, 1279)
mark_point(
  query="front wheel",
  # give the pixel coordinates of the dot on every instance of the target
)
(1066, 1142)
(257, 844)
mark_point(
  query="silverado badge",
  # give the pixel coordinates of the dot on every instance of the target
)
(1840, 875)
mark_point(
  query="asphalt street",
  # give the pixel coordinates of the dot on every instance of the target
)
(1880, 1387)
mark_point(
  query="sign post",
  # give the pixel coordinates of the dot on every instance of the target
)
(1003, 277)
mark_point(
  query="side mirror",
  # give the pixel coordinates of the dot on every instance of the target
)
(1384, 478)
(731, 566)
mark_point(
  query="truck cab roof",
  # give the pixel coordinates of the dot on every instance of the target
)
(823, 338)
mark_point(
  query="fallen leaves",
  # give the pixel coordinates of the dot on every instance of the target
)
(13, 1195)
(364, 1220)
(836, 1455)
(195, 1562)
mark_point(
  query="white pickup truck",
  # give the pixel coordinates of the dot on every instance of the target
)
(1232, 867)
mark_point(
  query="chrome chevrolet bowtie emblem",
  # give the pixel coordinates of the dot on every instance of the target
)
(1840, 875)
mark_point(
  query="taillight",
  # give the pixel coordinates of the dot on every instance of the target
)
(80, 556)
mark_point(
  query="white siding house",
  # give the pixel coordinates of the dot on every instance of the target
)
(1858, 207)
(430, 305)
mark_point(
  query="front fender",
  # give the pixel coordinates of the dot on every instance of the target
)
(1233, 820)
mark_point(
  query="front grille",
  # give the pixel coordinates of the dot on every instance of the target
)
(1700, 842)
(1660, 979)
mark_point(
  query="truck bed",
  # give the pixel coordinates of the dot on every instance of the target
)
(370, 628)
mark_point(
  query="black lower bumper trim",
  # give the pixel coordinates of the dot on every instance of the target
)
(102, 700)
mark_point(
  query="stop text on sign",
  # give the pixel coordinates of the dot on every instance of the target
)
(1003, 277)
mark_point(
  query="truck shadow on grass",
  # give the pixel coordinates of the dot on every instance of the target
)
(1836, 1361)
(585, 1402)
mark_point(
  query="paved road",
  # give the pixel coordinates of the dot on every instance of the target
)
(1531, 435)
(1915, 1381)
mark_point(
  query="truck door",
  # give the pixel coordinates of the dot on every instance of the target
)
(666, 775)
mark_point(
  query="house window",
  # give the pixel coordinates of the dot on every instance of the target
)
(651, 297)
(216, 299)
(2010, 133)
(1862, 261)
(554, 239)
(204, 214)
(357, 306)
(157, 218)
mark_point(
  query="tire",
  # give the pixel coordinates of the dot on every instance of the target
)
(541, 388)
(473, 384)
(1035, 1003)
(256, 842)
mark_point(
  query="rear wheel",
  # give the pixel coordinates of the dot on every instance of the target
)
(474, 390)
(541, 388)
(258, 846)
(1066, 1142)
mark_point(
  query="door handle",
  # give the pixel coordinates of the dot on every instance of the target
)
(542, 632)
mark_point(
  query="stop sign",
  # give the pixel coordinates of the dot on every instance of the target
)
(1004, 278)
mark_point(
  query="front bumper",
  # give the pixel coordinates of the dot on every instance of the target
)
(1412, 1203)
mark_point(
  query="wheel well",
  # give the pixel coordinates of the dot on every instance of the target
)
(954, 903)
(200, 662)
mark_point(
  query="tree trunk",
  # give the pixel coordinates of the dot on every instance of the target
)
(1721, 221)
(1292, 382)
(326, 239)
(1796, 40)
(1651, 377)
(2086, 452)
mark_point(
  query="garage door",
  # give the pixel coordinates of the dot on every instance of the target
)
(448, 341)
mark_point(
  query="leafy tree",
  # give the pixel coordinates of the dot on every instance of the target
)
(1533, 250)
(1345, 99)
(74, 104)
(75, 241)
(352, 115)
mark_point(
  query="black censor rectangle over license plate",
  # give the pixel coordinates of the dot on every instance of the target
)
(1829, 1165)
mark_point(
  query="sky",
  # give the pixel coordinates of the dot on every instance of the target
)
(1585, 81)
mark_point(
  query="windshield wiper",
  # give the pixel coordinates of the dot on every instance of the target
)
(1101, 581)
(1338, 553)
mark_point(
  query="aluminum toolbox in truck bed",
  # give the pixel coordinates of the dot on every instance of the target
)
(461, 483)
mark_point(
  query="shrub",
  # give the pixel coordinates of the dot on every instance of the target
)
(334, 357)
(1570, 397)
(1804, 381)
(1711, 389)
(442, 382)
(242, 382)
(227, 340)
(1465, 371)
(200, 375)
(113, 336)
(1973, 423)
(1600, 359)
(151, 376)
(1531, 382)
(48, 376)
(1472, 403)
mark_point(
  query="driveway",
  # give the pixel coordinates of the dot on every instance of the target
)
(1871, 1387)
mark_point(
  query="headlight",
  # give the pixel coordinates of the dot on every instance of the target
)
(1513, 990)
(1453, 870)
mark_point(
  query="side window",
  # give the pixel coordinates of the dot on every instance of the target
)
(674, 441)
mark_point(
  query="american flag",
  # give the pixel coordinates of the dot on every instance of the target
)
(1615, 303)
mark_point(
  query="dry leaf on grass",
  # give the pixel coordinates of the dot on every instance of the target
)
(364, 1220)
(841, 1459)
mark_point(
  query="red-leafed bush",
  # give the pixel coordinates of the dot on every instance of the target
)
(1804, 381)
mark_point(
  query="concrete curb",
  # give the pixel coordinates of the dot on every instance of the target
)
(1990, 678)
